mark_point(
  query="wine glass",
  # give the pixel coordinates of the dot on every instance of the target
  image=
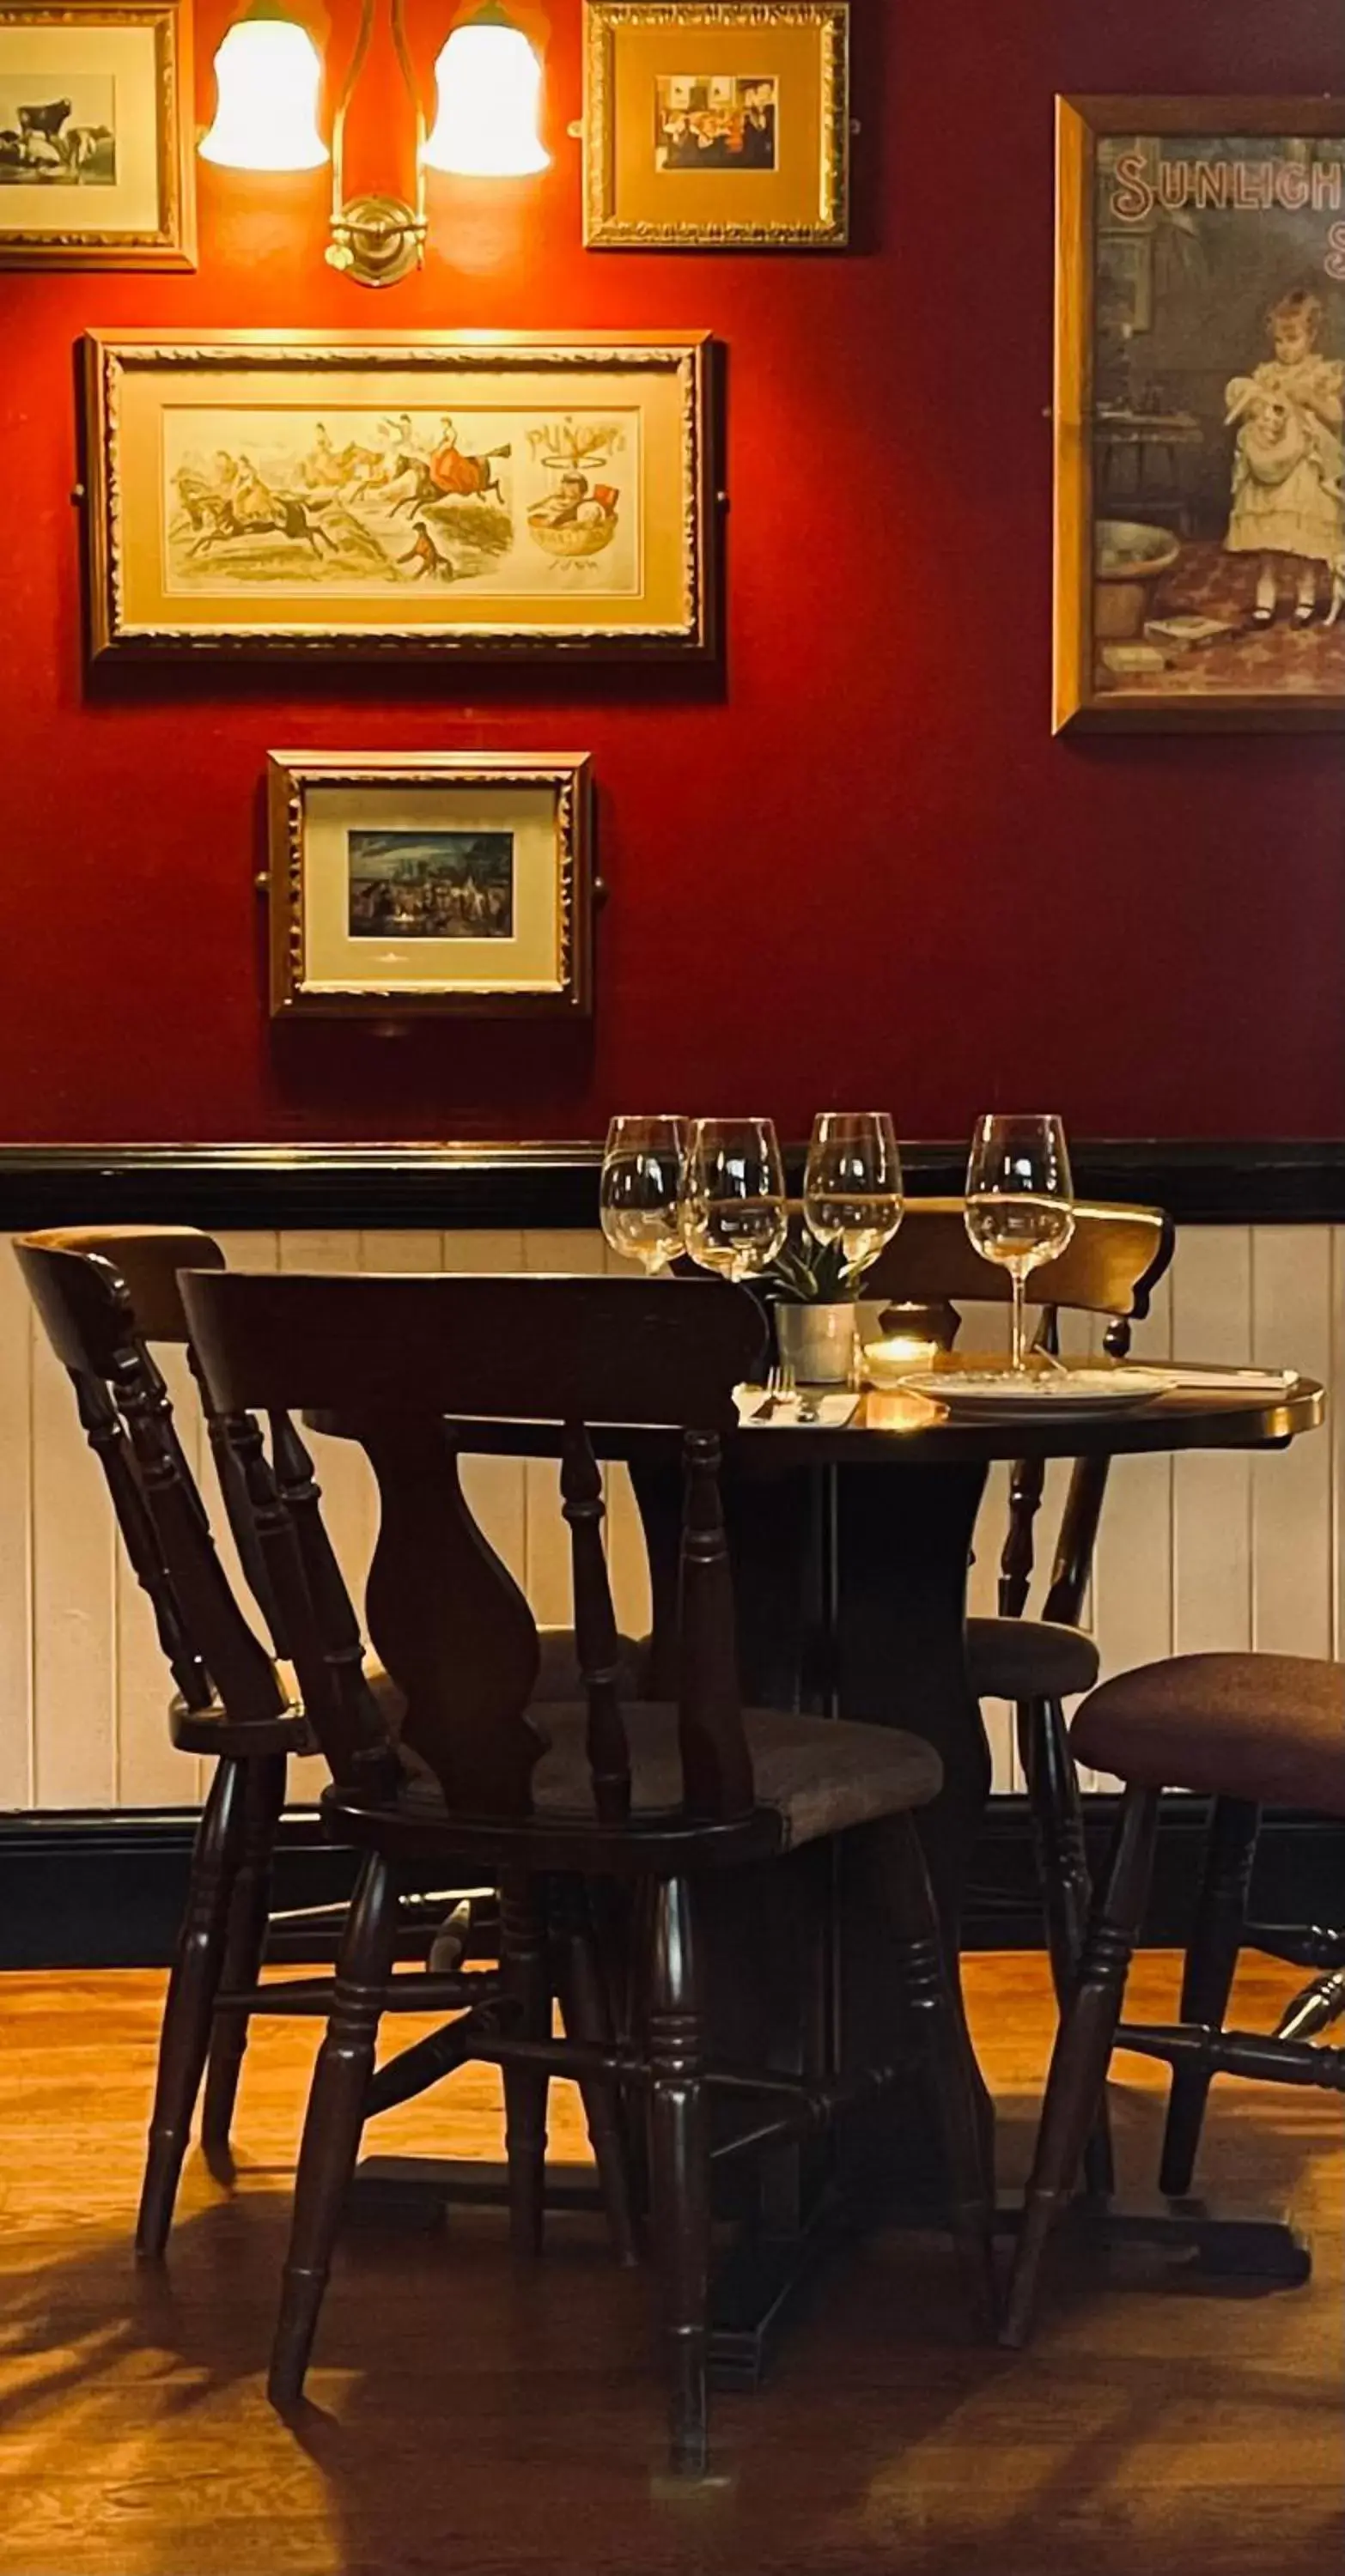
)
(852, 1183)
(640, 1194)
(734, 1217)
(852, 1192)
(1020, 1201)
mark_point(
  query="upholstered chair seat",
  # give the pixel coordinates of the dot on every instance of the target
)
(557, 1677)
(558, 1672)
(818, 1775)
(1029, 1659)
(1270, 1728)
(1247, 1731)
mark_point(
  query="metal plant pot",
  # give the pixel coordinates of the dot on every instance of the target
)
(818, 1341)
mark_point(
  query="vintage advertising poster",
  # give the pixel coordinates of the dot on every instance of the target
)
(1200, 413)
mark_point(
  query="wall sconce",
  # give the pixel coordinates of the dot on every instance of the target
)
(488, 92)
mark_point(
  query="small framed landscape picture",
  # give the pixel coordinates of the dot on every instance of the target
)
(95, 147)
(412, 886)
(716, 124)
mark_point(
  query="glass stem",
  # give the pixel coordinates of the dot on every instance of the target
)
(744, 1278)
(1018, 1283)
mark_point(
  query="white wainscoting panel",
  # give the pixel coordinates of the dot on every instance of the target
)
(1196, 1552)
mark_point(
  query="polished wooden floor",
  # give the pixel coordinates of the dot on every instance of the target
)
(469, 2422)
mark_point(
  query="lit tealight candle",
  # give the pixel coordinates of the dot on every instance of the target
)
(888, 1361)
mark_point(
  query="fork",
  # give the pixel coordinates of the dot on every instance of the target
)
(779, 1390)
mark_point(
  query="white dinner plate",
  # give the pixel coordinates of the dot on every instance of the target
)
(982, 1393)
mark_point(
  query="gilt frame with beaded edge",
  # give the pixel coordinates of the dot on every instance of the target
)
(773, 75)
(427, 885)
(118, 192)
(472, 494)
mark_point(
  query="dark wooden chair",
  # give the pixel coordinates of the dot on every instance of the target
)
(1245, 1730)
(653, 1799)
(1114, 1262)
(105, 1296)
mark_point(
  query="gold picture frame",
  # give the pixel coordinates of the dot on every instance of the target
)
(277, 492)
(422, 885)
(96, 162)
(1200, 414)
(716, 124)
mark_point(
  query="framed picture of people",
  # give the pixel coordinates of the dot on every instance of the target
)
(1200, 413)
(294, 493)
(422, 885)
(716, 124)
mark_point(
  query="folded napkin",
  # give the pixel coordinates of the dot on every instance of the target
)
(1224, 1380)
(833, 1411)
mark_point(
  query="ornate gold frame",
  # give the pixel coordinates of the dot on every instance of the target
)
(687, 360)
(1077, 705)
(291, 775)
(604, 20)
(173, 244)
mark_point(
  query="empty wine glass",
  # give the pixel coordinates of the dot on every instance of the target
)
(640, 1193)
(852, 1183)
(734, 1217)
(1020, 1202)
(852, 1192)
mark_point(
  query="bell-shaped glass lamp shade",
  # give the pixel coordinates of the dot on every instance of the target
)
(489, 91)
(269, 71)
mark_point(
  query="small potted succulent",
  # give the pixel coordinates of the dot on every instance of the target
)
(813, 1290)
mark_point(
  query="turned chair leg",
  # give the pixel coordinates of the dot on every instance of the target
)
(526, 1971)
(1083, 2050)
(1313, 2008)
(185, 2038)
(1056, 1810)
(951, 2074)
(333, 2122)
(264, 1797)
(1207, 1978)
(679, 2166)
(586, 2011)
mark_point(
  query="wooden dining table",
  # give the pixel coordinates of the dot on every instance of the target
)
(851, 1548)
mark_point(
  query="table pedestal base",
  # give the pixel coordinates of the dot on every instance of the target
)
(758, 2276)
(412, 2195)
(1265, 2247)
(755, 2278)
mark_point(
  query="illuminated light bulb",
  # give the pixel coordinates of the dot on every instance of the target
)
(269, 71)
(489, 91)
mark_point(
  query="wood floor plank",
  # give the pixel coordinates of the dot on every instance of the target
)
(476, 2418)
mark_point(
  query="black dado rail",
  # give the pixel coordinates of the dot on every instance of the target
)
(107, 1890)
(490, 1185)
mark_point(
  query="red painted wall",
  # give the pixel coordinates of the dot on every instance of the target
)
(858, 869)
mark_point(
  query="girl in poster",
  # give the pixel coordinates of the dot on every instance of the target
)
(1288, 494)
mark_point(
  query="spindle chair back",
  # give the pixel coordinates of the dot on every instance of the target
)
(679, 1791)
(107, 1297)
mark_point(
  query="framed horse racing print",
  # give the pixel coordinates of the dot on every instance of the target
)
(414, 885)
(716, 124)
(1200, 413)
(96, 167)
(286, 493)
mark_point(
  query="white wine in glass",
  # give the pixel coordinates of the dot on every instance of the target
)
(734, 1217)
(640, 1194)
(1019, 1202)
(852, 1183)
